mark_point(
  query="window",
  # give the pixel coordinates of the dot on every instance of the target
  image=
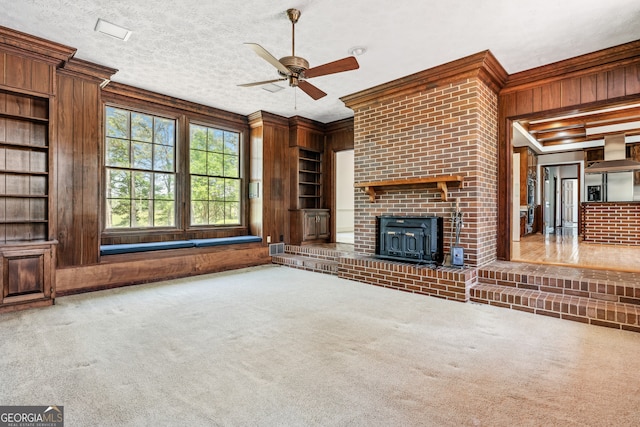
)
(140, 162)
(214, 167)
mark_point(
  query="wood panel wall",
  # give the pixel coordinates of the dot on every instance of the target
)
(77, 169)
(270, 134)
(604, 78)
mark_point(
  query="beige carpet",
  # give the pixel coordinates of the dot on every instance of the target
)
(273, 346)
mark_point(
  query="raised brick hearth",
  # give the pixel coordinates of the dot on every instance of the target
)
(596, 297)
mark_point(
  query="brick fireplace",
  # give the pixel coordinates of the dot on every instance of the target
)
(442, 121)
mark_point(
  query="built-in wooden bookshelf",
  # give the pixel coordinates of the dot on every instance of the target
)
(309, 179)
(24, 167)
(27, 257)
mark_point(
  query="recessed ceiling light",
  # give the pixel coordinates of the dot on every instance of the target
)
(357, 50)
(113, 30)
(272, 87)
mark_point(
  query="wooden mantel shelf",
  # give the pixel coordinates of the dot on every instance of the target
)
(442, 183)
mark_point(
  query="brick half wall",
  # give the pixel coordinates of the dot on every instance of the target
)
(616, 223)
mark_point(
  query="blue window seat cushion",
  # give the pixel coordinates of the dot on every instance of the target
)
(127, 248)
(200, 243)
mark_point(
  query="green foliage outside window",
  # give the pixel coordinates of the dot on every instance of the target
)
(140, 170)
(214, 166)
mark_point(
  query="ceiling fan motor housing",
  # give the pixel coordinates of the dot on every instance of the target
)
(295, 63)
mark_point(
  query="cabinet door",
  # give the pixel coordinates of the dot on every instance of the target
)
(322, 225)
(25, 275)
(310, 226)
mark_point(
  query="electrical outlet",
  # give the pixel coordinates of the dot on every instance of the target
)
(268, 239)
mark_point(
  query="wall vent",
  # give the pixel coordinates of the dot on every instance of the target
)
(276, 249)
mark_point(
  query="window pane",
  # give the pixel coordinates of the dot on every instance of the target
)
(199, 212)
(142, 185)
(231, 166)
(232, 213)
(164, 131)
(163, 158)
(216, 189)
(142, 155)
(215, 166)
(198, 139)
(117, 153)
(141, 127)
(118, 184)
(216, 158)
(117, 123)
(216, 213)
(216, 140)
(198, 162)
(142, 210)
(163, 213)
(164, 187)
(231, 143)
(232, 190)
(118, 213)
(135, 142)
(199, 188)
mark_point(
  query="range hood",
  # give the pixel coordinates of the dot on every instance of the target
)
(614, 157)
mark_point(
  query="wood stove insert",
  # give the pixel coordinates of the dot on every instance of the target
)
(415, 239)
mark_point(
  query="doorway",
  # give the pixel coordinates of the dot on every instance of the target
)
(345, 198)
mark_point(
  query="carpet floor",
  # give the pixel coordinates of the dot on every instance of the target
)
(273, 346)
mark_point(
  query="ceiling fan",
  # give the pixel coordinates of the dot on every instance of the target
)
(296, 69)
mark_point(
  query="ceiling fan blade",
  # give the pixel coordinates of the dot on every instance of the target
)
(344, 64)
(262, 83)
(311, 90)
(264, 54)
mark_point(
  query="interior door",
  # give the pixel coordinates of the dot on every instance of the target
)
(570, 202)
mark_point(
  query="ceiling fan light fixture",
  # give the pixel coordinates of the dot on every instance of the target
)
(357, 50)
(113, 30)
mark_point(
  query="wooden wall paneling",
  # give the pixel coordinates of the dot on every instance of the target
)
(601, 86)
(3, 68)
(551, 96)
(524, 102)
(570, 92)
(41, 77)
(18, 72)
(632, 79)
(91, 143)
(615, 83)
(68, 246)
(588, 89)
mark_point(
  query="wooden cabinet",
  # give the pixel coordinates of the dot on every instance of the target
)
(593, 155)
(310, 226)
(316, 224)
(25, 248)
(27, 275)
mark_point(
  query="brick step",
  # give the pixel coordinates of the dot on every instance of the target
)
(580, 309)
(621, 287)
(308, 263)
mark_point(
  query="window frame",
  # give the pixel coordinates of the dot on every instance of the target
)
(243, 198)
(183, 228)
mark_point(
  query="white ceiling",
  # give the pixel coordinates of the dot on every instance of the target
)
(193, 49)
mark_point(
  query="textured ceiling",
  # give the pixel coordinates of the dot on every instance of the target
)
(193, 49)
